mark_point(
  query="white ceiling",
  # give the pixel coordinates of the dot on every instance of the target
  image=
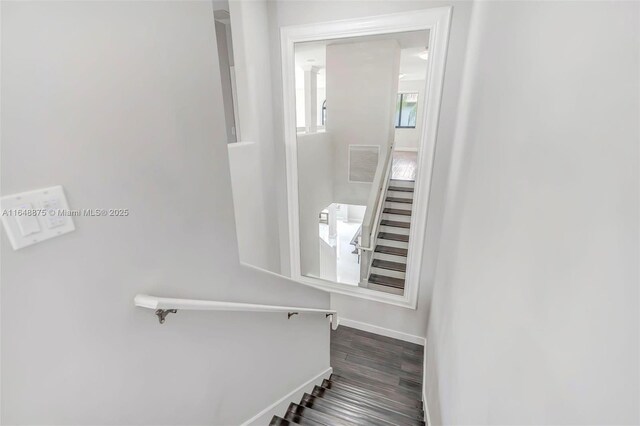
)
(411, 44)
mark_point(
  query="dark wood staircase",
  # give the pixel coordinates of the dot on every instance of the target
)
(388, 269)
(377, 381)
(341, 401)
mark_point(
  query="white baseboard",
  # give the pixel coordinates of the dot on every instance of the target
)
(279, 408)
(425, 406)
(406, 149)
(383, 331)
(424, 386)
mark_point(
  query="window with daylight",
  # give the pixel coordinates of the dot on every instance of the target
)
(406, 110)
(324, 112)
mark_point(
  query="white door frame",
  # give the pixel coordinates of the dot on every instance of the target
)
(437, 20)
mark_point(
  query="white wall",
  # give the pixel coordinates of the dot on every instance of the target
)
(355, 213)
(321, 96)
(121, 103)
(315, 192)
(254, 97)
(300, 105)
(535, 310)
(328, 260)
(408, 321)
(362, 81)
(409, 139)
(254, 232)
(224, 42)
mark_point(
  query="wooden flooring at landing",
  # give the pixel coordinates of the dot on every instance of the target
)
(404, 165)
(391, 366)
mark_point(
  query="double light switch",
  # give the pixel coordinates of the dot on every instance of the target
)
(35, 216)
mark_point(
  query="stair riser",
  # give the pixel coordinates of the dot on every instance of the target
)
(402, 183)
(392, 243)
(405, 201)
(385, 289)
(301, 420)
(401, 206)
(392, 266)
(400, 194)
(321, 417)
(390, 257)
(396, 217)
(278, 421)
(403, 225)
(401, 212)
(394, 230)
(386, 281)
(387, 272)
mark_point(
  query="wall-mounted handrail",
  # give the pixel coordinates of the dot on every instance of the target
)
(164, 305)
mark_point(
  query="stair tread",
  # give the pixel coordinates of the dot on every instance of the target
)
(397, 251)
(360, 411)
(321, 417)
(387, 264)
(374, 403)
(373, 385)
(303, 421)
(388, 281)
(354, 415)
(397, 211)
(279, 421)
(366, 408)
(398, 400)
(399, 200)
(395, 223)
(399, 189)
(393, 237)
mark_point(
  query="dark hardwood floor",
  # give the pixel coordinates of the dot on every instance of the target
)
(376, 381)
(389, 366)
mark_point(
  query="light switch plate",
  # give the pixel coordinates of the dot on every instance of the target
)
(49, 216)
